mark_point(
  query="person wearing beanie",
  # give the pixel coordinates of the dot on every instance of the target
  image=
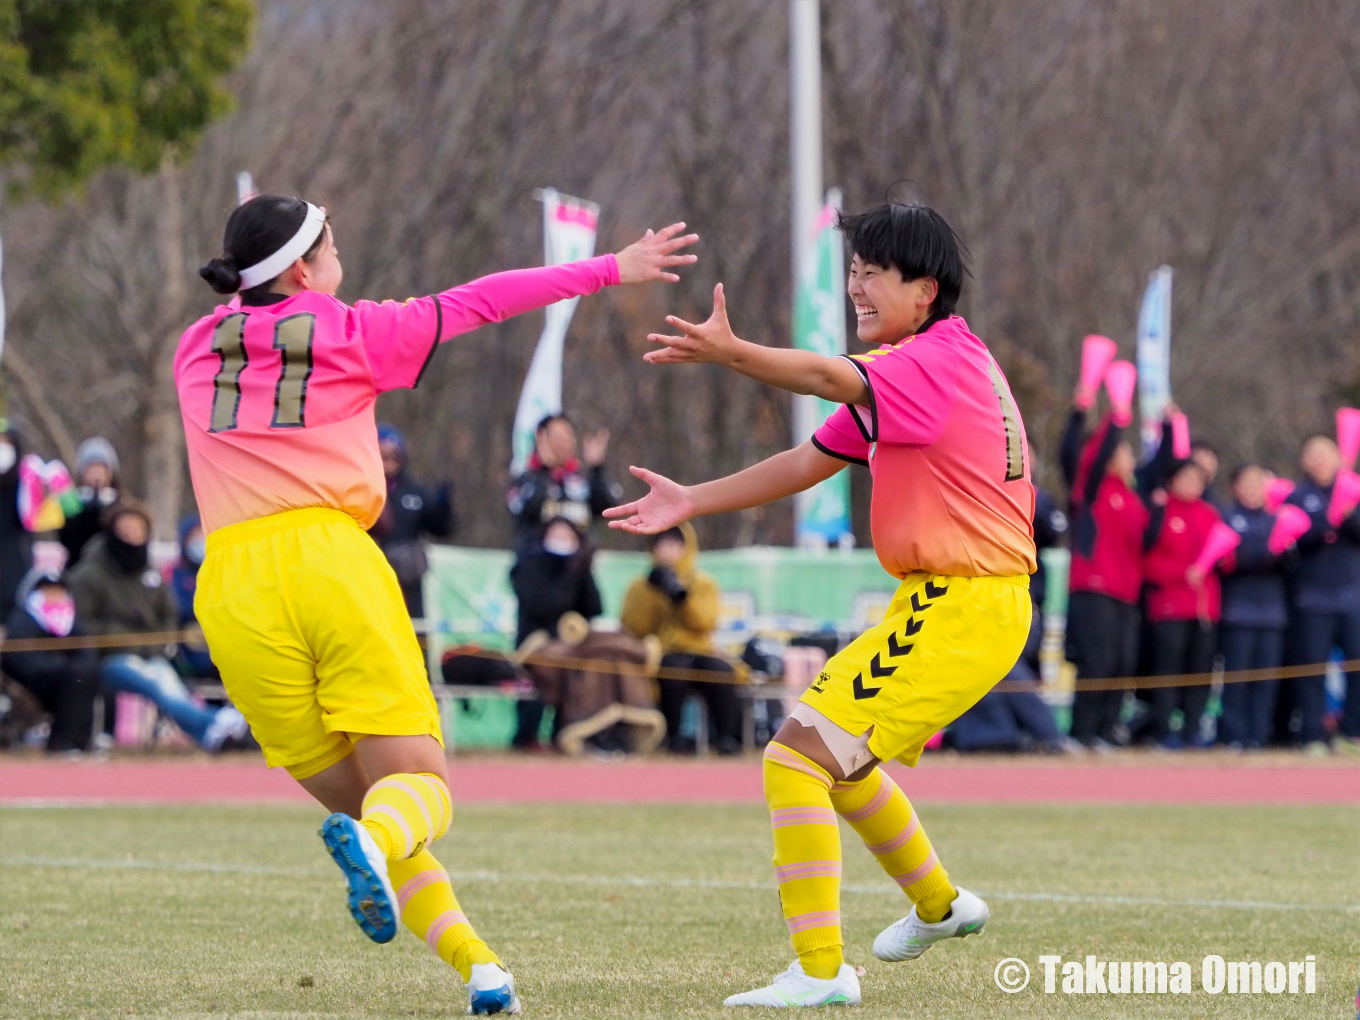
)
(412, 512)
(117, 591)
(65, 681)
(96, 476)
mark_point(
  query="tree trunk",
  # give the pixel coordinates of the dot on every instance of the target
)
(163, 452)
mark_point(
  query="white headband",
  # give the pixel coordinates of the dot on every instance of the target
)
(297, 246)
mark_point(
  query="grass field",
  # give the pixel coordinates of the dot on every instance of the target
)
(657, 911)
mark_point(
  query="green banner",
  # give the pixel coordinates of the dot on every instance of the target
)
(822, 513)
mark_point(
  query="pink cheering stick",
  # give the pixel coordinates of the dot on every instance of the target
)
(1291, 523)
(1345, 497)
(1120, 379)
(1348, 435)
(1277, 491)
(1221, 540)
(1096, 354)
(1180, 435)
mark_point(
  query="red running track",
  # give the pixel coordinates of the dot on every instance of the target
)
(515, 780)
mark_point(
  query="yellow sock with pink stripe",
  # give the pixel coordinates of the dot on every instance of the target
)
(877, 809)
(429, 908)
(807, 857)
(406, 812)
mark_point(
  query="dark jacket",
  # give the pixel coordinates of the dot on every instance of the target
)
(574, 491)
(1328, 576)
(16, 546)
(110, 601)
(1253, 577)
(549, 586)
(1050, 524)
(37, 670)
(1108, 518)
(413, 511)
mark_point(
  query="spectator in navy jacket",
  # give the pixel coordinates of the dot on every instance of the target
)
(1326, 595)
(1108, 520)
(412, 511)
(1255, 614)
(1183, 604)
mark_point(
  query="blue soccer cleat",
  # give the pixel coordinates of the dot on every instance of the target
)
(492, 990)
(371, 899)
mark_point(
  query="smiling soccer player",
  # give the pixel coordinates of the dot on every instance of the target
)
(302, 612)
(931, 415)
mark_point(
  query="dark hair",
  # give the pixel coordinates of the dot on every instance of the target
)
(916, 241)
(1187, 464)
(548, 419)
(1241, 470)
(1200, 444)
(669, 535)
(255, 230)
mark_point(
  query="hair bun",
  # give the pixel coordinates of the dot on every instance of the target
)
(221, 275)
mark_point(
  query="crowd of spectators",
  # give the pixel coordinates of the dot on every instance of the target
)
(1143, 602)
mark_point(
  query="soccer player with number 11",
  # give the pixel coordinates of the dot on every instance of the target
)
(931, 415)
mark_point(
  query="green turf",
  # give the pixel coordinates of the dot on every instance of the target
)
(118, 939)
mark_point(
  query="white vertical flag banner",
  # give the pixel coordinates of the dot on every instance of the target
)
(245, 187)
(569, 226)
(822, 513)
(1154, 356)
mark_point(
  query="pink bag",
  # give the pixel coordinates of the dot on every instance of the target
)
(1291, 524)
(135, 724)
(1277, 491)
(1220, 541)
(1120, 380)
(1096, 354)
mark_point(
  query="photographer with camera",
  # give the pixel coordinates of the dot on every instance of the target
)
(679, 604)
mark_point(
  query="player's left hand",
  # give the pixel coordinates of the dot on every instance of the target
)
(664, 507)
(711, 341)
(646, 259)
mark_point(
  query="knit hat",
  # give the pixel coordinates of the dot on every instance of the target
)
(96, 450)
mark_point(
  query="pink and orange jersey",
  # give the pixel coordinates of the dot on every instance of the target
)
(946, 447)
(277, 399)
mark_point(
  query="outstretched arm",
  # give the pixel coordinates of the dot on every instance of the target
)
(668, 503)
(400, 338)
(797, 371)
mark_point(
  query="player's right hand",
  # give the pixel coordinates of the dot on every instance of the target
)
(666, 505)
(647, 258)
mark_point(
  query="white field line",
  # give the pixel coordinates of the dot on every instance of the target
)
(640, 882)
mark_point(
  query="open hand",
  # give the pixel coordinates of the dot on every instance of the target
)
(595, 447)
(711, 341)
(665, 506)
(647, 258)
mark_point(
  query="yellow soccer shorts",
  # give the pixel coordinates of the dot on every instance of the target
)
(305, 621)
(943, 644)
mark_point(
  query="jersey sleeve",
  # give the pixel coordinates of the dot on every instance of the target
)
(911, 390)
(401, 337)
(843, 437)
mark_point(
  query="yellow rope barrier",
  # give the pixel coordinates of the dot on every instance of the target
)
(168, 637)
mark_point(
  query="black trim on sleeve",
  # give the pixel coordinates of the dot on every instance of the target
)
(839, 456)
(873, 404)
(438, 329)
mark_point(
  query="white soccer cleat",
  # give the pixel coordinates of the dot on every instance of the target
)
(794, 989)
(910, 937)
(492, 990)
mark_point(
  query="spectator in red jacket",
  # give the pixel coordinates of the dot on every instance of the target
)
(1183, 603)
(1108, 520)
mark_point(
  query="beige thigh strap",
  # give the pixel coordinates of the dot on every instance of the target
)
(851, 752)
